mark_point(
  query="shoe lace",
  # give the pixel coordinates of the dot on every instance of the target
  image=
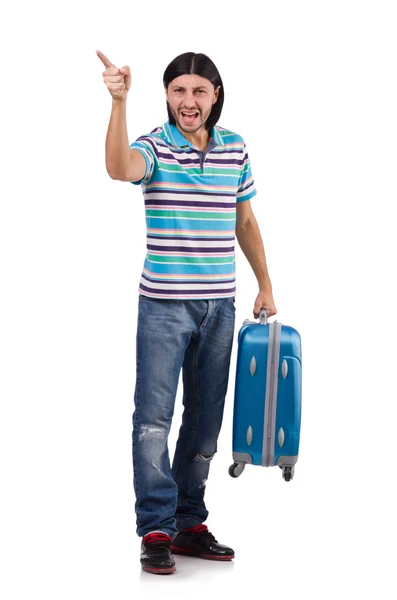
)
(158, 542)
(202, 531)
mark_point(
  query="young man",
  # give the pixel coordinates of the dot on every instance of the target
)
(197, 184)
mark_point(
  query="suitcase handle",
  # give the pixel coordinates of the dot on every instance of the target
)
(263, 316)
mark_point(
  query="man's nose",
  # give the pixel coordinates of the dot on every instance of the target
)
(189, 99)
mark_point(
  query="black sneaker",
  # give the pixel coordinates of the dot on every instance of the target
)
(198, 541)
(156, 554)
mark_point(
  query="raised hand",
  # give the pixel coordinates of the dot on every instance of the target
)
(118, 81)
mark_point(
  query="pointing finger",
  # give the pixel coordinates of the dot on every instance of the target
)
(105, 60)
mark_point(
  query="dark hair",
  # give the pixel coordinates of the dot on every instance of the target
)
(196, 64)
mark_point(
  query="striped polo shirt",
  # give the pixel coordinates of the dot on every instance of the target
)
(190, 206)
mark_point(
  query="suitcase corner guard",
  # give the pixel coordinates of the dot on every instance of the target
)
(240, 460)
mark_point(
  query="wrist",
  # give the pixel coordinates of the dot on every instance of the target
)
(265, 285)
(119, 103)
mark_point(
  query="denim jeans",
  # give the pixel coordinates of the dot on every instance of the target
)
(197, 337)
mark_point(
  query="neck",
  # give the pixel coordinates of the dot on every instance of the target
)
(199, 138)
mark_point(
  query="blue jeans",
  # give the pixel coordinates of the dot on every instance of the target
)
(197, 337)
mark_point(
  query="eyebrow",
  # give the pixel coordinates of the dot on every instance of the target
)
(180, 87)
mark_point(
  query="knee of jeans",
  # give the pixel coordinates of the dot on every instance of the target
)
(203, 457)
(151, 432)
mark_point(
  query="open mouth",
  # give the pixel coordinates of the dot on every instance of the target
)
(189, 118)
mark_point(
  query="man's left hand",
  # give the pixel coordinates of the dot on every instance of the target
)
(264, 300)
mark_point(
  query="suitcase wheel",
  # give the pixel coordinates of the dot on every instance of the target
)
(288, 473)
(236, 469)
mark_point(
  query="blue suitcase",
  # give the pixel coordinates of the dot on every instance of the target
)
(267, 397)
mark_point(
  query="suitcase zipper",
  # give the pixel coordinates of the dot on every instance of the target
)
(271, 394)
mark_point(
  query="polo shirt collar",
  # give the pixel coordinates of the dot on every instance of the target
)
(173, 136)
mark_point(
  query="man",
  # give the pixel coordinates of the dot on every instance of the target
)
(197, 184)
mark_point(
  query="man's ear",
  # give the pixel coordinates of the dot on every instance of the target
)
(216, 94)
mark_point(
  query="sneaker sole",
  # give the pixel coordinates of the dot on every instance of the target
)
(166, 571)
(183, 552)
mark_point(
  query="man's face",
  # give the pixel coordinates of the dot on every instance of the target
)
(191, 99)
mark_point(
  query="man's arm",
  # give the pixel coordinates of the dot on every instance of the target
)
(250, 241)
(121, 162)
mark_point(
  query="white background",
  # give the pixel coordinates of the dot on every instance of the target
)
(311, 86)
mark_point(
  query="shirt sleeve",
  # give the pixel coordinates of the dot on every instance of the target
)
(145, 147)
(246, 185)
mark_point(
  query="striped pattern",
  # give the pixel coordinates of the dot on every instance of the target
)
(190, 206)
